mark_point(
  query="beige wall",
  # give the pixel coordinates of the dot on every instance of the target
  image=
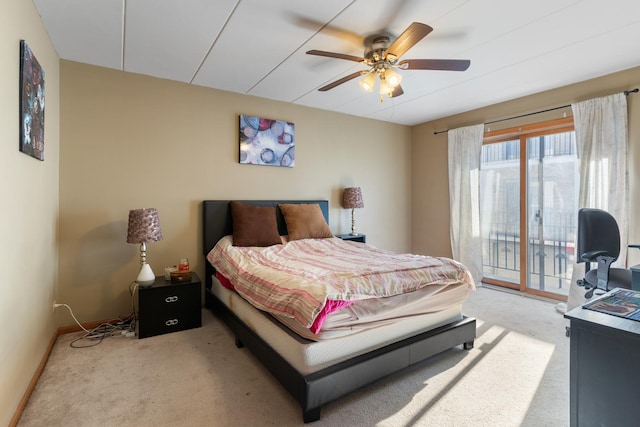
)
(130, 141)
(28, 216)
(117, 141)
(429, 154)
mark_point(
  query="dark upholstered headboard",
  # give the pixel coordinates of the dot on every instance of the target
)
(216, 222)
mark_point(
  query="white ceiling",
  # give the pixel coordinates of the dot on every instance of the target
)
(257, 47)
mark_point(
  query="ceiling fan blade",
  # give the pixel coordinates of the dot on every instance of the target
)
(336, 55)
(389, 13)
(343, 80)
(435, 64)
(409, 37)
(396, 92)
(324, 28)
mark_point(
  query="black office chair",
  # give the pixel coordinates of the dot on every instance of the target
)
(599, 241)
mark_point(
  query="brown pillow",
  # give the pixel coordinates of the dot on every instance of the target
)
(254, 225)
(305, 221)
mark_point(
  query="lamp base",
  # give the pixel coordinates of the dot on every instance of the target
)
(353, 222)
(145, 277)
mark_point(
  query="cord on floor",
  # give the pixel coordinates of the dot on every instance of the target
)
(116, 327)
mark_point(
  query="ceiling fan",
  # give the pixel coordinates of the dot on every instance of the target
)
(382, 56)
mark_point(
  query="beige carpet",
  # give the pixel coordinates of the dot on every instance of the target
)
(516, 375)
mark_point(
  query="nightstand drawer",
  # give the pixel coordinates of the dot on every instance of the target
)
(168, 307)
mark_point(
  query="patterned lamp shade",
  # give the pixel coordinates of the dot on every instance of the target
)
(352, 198)
(144, 226)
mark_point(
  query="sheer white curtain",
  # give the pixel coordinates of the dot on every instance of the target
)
(465, 148)
(601, 143)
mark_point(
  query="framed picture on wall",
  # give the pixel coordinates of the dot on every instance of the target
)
(267, 142)
(31, 104)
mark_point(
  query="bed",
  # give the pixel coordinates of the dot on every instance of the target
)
(301, 365)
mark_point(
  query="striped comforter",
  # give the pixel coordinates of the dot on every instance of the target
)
(298, 278)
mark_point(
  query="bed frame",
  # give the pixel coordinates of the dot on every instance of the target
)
(315, 389)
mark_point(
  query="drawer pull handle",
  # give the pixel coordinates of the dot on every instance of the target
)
(171, 322)
(171, 299)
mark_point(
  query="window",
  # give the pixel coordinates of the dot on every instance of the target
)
(528, 201)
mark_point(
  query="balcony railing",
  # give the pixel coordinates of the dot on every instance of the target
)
(550, 259)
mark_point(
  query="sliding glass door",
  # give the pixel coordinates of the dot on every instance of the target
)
(500, 210)
(552, 206)
(529, 188)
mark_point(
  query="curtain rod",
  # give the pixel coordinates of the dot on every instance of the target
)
(626, 92)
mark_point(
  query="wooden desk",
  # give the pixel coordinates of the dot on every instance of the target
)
(604, 361)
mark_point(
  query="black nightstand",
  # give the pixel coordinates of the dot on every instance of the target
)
(166, 307)
(362, 238)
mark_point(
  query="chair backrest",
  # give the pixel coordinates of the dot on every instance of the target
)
(597, 231)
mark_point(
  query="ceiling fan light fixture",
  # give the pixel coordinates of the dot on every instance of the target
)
(392, 77)
(382, 57)
(384, 87)
(368, 82)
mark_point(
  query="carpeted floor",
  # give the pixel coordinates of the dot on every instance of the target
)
(516, 375)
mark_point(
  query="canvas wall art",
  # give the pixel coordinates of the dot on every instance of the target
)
(31, 104)
(267, 142)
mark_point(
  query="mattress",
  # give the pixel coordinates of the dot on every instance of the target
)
(373, 313)
(310, 356)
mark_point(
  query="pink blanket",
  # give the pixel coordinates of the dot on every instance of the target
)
(329, 307)
(300, 278)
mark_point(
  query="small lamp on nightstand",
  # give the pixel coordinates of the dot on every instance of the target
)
(352, 199)
(144, 226)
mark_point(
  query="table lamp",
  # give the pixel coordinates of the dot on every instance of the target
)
(352, 199)
(144, 226)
